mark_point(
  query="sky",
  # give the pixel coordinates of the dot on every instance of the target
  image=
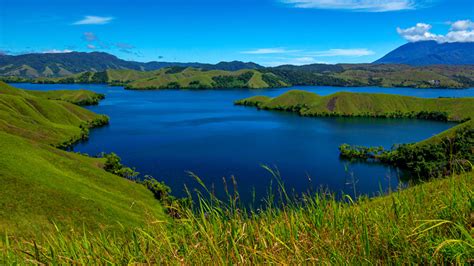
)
(268, 32)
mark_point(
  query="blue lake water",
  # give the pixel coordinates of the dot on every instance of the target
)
(167, 133)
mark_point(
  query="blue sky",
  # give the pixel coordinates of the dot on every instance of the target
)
(269, 32)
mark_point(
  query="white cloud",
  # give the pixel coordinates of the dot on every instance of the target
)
(420, 32)
(357, 5)
(460, 31)
(55, 51)
(298, 61)
(462, 25)
(270, 51)
(93, 20)
(343, 52)
(91, 46)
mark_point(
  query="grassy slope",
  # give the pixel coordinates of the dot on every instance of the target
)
(364, 104)
(412, 226)
(41, 183)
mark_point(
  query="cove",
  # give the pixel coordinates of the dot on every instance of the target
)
(167, 133)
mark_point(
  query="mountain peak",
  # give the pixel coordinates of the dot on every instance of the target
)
(431, 53)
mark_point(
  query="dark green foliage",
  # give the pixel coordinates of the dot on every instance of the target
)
(272, 80)
(113, 164)
(239, 81)
(159, 189)
(347, 151)
(452, 155)
(92, 101)
(173, 85)
(469, 82)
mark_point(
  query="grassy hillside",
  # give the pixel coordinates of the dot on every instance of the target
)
(191, 78)
(42, 184)
(362, 104)
(426, 224)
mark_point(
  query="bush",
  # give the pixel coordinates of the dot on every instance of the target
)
(113, 164)
(159, 189)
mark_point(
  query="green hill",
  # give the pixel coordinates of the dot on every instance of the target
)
(192, 78)
(42, 184)
(362, 104)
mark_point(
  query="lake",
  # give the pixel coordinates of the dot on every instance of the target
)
(170, 132)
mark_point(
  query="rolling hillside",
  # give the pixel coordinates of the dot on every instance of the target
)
(362, 104)
(191, 78)
(42, 185)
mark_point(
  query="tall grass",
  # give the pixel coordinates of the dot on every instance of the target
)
(427, 223)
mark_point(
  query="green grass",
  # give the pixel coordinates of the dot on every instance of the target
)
(427, 224)
(41, 119)
(42, 184)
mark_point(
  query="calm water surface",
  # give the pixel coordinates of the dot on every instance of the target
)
(167, 133)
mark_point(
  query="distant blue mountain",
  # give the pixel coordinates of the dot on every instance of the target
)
(430, 53)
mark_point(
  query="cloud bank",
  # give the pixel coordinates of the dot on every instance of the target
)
(460, 31)
(358, 5)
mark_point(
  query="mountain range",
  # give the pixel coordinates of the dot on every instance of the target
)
(64, 64)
